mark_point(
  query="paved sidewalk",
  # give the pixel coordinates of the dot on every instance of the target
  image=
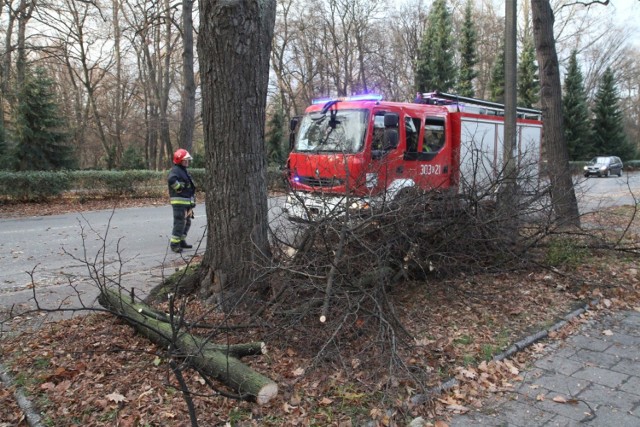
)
(596, 371)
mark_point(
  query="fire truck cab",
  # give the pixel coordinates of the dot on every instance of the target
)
(359, 152)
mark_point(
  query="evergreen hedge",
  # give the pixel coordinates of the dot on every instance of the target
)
(39, 186)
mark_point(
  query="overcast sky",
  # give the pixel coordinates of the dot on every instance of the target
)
(626, 13)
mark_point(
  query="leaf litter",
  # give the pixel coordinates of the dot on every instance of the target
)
(96, 371)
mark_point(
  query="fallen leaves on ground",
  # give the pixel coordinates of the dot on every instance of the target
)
(96, 371)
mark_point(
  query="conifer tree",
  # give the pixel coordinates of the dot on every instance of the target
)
(577, 122)
(496, 85)
(608, 129)
(41, 143)
(528, 81)
(275, 134)
(435, 68)
(468, 55)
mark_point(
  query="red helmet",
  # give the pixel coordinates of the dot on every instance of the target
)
(180, 155)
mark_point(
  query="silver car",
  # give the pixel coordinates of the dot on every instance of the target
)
(603, 166)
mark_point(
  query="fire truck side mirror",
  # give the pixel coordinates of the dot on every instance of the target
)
(293, 125)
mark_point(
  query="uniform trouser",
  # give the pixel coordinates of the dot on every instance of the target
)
(181, 223)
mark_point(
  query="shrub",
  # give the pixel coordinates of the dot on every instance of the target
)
(133, 183)
(34, 186)
(91, 184)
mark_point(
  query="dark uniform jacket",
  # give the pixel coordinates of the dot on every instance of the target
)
(182, 190)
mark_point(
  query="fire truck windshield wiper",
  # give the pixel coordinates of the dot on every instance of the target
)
(329, 105)
(319, 115)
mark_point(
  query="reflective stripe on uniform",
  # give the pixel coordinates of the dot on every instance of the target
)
(181, 201)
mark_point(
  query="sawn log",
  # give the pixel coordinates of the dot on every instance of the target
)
(218, 361)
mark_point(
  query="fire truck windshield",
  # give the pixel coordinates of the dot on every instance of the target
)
(336, 131)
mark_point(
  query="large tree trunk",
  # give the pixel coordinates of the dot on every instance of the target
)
(218, 361)
(234, 46)
(563, 196)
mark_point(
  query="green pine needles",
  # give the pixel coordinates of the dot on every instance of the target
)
(577, 121)
(40, 140)
(435, 68)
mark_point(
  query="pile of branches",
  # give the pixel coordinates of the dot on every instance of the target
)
(339, 280)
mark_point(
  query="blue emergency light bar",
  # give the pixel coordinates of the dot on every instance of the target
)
(363, 97)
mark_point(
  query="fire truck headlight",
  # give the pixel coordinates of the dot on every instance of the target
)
(359, 205)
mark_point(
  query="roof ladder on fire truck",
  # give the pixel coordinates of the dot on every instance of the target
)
(474, 105)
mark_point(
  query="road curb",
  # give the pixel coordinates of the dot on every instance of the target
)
(513, 349)
(30, 414)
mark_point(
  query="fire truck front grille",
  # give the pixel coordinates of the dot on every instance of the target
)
(320, 182)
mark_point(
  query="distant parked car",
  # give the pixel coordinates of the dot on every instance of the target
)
(603, 166)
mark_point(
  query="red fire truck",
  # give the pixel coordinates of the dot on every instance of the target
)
(359, 152)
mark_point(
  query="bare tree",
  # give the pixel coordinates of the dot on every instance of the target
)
(490, 27)
(187, 119)
(79, 44)
(155, 43)
(280, 57)
(23, 15)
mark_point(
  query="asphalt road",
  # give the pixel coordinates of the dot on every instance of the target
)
(132, 244)
(129, 245)
(595, 193)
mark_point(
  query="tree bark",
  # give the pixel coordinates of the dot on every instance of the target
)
(234, 45)
(218, 361)
(563, 197)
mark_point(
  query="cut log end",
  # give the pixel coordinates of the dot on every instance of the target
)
(267, 393)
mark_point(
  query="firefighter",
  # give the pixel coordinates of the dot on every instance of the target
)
(182, 193)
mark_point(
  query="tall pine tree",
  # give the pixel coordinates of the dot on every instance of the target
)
(496, 85)
(468, 54)
(435, 68)
(608, 129)
(528, 81)
(275, 137)
(41, 143)
(577, 122)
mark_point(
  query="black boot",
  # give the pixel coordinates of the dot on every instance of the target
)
(175, 247)
(185, 245)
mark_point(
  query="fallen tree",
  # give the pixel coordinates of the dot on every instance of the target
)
(221, 362)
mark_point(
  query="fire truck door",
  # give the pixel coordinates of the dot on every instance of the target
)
(385, 144)
(433, 158)
(408, 167)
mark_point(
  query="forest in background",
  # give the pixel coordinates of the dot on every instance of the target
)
(105, 81)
